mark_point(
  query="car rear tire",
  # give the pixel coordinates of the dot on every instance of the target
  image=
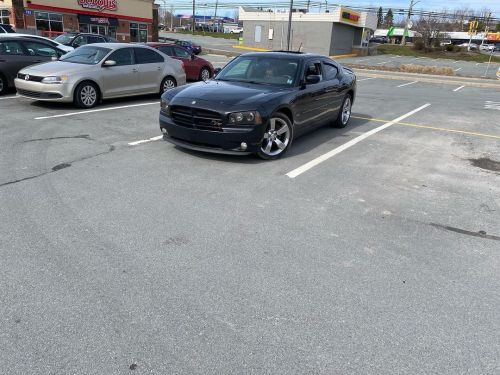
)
(168, 83)
(277, 137)
(87, 95)
(204, 74)
(3, 85)
(344, 113)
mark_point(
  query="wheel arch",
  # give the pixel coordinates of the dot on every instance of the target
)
(286, 111)
(99, 88)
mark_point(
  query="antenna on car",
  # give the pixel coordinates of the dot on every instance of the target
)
(300, 47)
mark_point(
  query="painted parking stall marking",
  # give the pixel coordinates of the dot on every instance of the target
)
(407, 84)
(456, 70)
(157, 138)
(304, 168)
(492, 105)
(365, 79)
(458, 88)
(96, 110)
(10, 97)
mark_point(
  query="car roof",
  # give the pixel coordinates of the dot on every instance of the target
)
(287, 54)
(115, 45)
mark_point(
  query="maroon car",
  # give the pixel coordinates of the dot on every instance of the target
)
(196, 68)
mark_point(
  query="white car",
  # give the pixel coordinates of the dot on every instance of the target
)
(471, 46)
(237, 30)
(487, 47)
(50, 41)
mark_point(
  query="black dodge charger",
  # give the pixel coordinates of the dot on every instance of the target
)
(258, 103)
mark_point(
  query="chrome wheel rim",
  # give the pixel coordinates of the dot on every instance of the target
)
(88, 95)
(168, 85)
(205, 74)
(346, 111)
(276, 137)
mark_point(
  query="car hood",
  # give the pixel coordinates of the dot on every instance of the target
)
(56, 68)
(222, 94)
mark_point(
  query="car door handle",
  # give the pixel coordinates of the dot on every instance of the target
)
(159, 68)
(134, 70)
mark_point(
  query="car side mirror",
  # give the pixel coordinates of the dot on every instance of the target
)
(109, 63)
(54, 58)
(76, 45)
(313, 79)
(217, 71)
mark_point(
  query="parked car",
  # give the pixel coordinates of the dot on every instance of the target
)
(196, 68)
(76, 40)
(259, 103)
(196, 48)
(6, 29)
(487, 47)
(19, 52)
(52, 42)
(379, 39)
(101, 71)
(237, 30)
(473, 46)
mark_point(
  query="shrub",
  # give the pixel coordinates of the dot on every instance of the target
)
(418, 44)
(414, 68)
(450, 48)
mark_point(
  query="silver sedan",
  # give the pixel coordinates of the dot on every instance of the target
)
(101, 71)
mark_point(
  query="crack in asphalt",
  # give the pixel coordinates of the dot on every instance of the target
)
(58, 167)
(81, 136)
(481, 233)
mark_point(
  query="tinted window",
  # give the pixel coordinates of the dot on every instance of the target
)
(95, 39)
(80, 40)
(166, 50)
(40, 49)
(65, 38)
(330, 71)
(11, 48)
(147, 56)
(181, 52)
(313, 68)
(122, 56)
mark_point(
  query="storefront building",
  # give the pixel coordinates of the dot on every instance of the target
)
(125, 20)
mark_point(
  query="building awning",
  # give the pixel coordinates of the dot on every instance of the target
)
(93, 20)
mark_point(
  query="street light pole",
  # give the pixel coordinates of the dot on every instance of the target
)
(194, 21)
(412, 3)
(289, 26)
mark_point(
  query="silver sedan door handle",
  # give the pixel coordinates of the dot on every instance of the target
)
(134, 70)
(159, 68)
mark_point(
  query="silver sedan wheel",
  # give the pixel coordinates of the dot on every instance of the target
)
(205, 74)
(276, 137)
(346, 111)
(169, 84)
(88, 95)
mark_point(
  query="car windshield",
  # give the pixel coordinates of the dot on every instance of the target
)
(65, 38)
(261, 70)
(89, 55)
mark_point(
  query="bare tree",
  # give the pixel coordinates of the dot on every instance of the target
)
(430, 27)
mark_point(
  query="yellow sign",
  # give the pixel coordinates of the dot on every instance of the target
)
(350, 16)
(493, 37)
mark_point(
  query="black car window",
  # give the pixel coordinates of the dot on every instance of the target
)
(166, 50)
(80, 40)
(122, 56)
(147, 56)
(40, 49)
(11, 48)
(313, 68)
(330, 71)
(181, 52)
(95, 39)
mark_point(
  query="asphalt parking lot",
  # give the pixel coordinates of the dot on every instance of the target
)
(369, 249)
(461, 68)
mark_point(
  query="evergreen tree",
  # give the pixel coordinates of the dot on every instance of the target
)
(389, 18)
(380, 17)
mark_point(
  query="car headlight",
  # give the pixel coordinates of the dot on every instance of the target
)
(55, 79)
(245, 118)
(164, 106)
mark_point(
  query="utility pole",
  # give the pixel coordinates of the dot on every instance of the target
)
(308, 3)
(289, 26)
(486, 28)
(215, 15)
(194, 21)
(171, 17)
(412, 3)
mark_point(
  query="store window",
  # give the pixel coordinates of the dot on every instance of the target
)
(49, 21)
(4, 16)
(138, 32)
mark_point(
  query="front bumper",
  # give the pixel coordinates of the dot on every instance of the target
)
(223, 141)
(42, 91)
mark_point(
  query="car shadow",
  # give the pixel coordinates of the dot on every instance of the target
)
(301, 145)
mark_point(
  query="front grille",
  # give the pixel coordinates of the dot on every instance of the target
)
(196, 118)
(31, 94)
(31, 78)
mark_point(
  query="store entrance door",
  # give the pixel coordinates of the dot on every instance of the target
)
(96, 29)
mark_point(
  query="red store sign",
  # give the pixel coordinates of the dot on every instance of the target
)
(98, 4)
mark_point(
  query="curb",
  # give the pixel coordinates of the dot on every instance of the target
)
(251, 48)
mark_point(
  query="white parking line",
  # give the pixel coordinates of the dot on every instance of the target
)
(366, 79)
(145, 140)
(459, 88)
(96, 110)
(407, 84)
(304, 168)
(454, 62)
(10, 97)
(456, 70)
(383, 62)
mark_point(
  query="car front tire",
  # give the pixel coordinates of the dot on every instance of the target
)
(87, 95)
(204, 74)
(168, 83)
(277, 137)
(345, 113)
